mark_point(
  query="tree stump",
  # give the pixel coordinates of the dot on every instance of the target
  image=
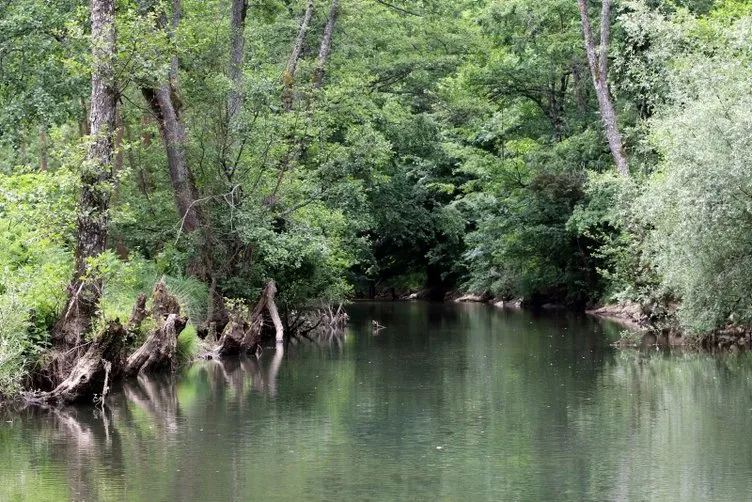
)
(158, 351)
(88, 375)
(243, 336)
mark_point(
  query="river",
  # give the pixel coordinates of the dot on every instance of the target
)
(448, 402)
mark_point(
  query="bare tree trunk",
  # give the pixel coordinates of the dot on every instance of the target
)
(288, 81)
(165, 106)
(118, 166)
(173, 34)
(266, 302)
(173, 134)
(325, 48)
(145, 134)
(244, 336)
(43, 147)
(84, 292)
(292, 65)
(158, 351)
(598, 62)
(83, 126)
(237, 55)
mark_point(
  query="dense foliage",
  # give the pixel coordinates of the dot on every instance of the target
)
(440, 145)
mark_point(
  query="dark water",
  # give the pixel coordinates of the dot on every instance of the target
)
(448, 403)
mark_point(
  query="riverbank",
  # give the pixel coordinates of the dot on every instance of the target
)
(641, 330)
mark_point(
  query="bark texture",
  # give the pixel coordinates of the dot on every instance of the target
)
(158, 351)
(102, 360)
(84, 292)
(165, 107)
(242, 336)
(598, 62)
(325, 48)
(292, 65)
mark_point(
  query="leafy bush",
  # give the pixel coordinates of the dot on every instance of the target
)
(700, 203)
(607, 218)
(523, 245)
(14, 353)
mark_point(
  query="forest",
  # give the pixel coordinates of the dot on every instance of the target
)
(222, 164)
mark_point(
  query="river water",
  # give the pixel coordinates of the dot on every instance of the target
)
(449, 402)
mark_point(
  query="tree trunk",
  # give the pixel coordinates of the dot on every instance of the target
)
(84, 292)
(237, 55)
(102, 360)
(244, 336)
(138, 314)
(325, 48)
(598, 62)
(173, 134)
(165, 106)
(83, 125)
(289, 76)
(43, 147)
(266, 302)
(159, 350)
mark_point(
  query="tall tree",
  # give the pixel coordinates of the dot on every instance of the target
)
(325, 48)
(598, 62)
(165, 105)
(237, 54)
(84, 291)
(292, 65)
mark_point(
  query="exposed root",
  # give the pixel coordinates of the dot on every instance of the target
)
(103, 358)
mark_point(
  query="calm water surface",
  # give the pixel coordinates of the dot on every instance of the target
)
(450, 402)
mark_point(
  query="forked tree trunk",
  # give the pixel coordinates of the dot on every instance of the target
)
(243, 336)
(598, 62)
(85, 290)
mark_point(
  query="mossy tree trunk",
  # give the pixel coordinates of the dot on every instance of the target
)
(85, 288)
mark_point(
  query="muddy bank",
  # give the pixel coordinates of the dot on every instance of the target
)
(628, 314)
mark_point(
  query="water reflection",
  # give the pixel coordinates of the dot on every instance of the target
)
(447, 403)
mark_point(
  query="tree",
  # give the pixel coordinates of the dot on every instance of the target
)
(292, 65)
(237, 55)
(325, 48)
(85, 289)
(598, 62)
